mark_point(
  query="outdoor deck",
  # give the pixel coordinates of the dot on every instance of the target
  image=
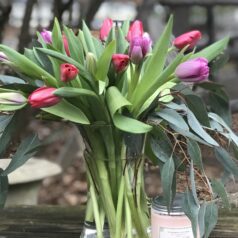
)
(67, 222)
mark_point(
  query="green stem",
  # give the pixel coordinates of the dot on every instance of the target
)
(129, 227)
(89, 210)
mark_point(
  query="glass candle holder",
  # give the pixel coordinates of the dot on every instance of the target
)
(170, 225)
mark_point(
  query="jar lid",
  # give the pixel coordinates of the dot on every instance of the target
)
(159, 205)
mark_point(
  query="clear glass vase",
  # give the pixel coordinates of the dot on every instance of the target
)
(89, 231)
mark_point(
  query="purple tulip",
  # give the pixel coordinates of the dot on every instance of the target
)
(3, 57)
(140, 46)
(194, 70)
(47, 36)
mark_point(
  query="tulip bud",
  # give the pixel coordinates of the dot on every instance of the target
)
(190, 38)
(68, 72)
(139, 48)
(43, 97)
(12, 98)
(135, 30)
(3, 57)
(91, 63)
(195, 70)
(120, 62)
(105, 29)
(47, 36)
(66, 45)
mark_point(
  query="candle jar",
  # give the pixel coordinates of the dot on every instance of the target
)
(170, 225)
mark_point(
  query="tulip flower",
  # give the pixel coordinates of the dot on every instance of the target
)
(195, 70)
(13, 98)
(66, 45)
(139, 47)
(3, 57)
(120, 62)
(68, 72)
(43, 97)
(105, 29)
(47, 36)
(190, 38)
(135, 30)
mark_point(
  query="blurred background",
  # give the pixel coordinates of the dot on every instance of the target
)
(19, 21)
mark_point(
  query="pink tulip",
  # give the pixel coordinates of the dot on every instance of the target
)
(105, 29)
(136, 30)
(190, 38)
(47, 36)
(3, 57)
(66, 45)
(120, 62)
(68, 72)
(195, 70)
(43, 97)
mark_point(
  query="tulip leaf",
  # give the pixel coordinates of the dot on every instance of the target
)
(74, 92)
(57, 40)
(125, 27)
(25, 151)
(103, 64)
(212, 51)
(26, 66)
(5, 79)
(122, 43)
(67, 111)
(3, 188)
(9, 107)
(116, 101)
(75, 45)
(89, 39)
(211, 216)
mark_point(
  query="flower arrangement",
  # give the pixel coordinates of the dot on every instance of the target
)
(132, 100)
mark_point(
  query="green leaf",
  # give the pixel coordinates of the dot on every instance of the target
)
(198, 129)
(219, 189)
(27, 67)
(3, 189)
(4, 120)
(88, 39)
(9, 131)
(116, 102)
(195, 153)
(75, 45)
(122, 43)
(104, 62)
(212, 51)
(174, 118)
(211, 216)
(167, 176)
(197, 106)
(74, 92)
(125, 27)
(9, 107)
(5, 79)
(57, 40)
(24, 152)
(191, 209)
(226, 160)
(201, 218)
(193, 184)
(68, 112)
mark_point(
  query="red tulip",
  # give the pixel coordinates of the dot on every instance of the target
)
(190, 38)
(43, 97)
(68, 72)
(66, 45)
(136, 30)
(105, 29)
(120, 62)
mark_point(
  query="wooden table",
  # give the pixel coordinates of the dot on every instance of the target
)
(67, 222)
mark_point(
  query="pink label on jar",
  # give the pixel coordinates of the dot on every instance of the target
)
(185, 232)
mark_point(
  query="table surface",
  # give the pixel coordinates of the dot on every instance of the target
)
(67, 222)
(197, 2)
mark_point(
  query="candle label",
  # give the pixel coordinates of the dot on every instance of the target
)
(185, 232)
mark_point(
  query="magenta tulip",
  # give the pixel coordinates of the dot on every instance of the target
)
(66, 45)
(47, 36)
(68, 72)
(136, 30)
(195, 70)
(105, 29)
(43, 97)
(120, 62)
(139, 48)
(187, 39)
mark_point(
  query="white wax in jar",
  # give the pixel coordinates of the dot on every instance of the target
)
(170, 226)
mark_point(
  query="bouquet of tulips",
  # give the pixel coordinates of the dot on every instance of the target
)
(132, 100)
